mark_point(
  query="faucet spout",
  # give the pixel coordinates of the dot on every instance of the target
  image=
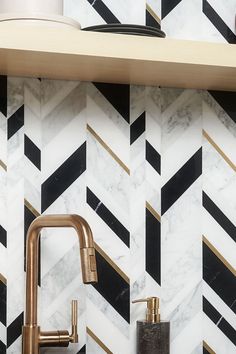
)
(87, 253)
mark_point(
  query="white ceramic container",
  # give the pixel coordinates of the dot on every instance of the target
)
(35, 12)
(32, 7)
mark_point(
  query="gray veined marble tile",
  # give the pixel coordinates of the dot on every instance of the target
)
(55, 88)
(62, 111)
(60, 276)
(185, 311)
(15, 94)
(182, 113)
(219, 112)
(137, 101)
(168, 96)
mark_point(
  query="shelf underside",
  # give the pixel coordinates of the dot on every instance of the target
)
(75, 55)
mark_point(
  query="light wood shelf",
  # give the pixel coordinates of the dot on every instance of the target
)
(75, 55)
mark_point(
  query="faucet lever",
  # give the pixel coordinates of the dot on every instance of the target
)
(74, 322)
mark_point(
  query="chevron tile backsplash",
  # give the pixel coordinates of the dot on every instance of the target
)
(153, 170)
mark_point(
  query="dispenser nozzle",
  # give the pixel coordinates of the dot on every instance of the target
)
(153, 313)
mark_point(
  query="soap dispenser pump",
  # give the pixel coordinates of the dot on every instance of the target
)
(153, 335)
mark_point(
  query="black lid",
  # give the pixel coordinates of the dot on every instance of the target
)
(127, 29)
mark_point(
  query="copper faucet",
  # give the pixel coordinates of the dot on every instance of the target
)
(32, 337)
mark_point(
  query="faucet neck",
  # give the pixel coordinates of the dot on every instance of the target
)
(87, 253)
(32, 267)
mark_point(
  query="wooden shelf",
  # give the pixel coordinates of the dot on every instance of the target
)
(75, 55)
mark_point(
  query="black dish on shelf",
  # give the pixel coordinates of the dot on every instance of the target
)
(127, 29)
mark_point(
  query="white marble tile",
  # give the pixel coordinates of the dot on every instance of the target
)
(153, 130)
(218, 237)
(33, 191)
(219, 304)
(189, 338)
(181, 150)
(104, 119)
(219, 180)
(209, 33)
(78, 10)
(93, 347)
(180, 23)
(96, 100)
(183, 314)
(198, 349)
(74, 133)
(3, 138)
(215, 338)
(137, 241)
(3, 198)
(137, 101)
(107, 333)
(137, 12)
(219, 133)
(152, 288)
(61, 275)
(153, 194)
(111, 314)
(116, 180)
(32, 111)
(120, 9)
(93, 17)
(178, 222)
(66, 241)
(15, 347)
(109, 241)
(226, 10)
(155, 6)
(107, 198)
(15, 226)
(3, 333)
(181, 255)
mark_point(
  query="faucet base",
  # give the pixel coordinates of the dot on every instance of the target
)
(33, 339)
(30, 339)
(54, 339)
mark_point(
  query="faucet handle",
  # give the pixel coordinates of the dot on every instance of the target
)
(74, 322)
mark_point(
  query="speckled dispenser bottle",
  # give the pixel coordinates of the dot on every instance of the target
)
(153, 335)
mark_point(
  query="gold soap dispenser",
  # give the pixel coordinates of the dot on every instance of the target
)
(153, 335)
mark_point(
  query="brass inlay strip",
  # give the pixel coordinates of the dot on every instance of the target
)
(153, 211)
(206, 346)
(218, 149)
(2, 164)
(98, 341)
(3, 279)
(216, 252)
(106, 147)
(153, 14)
(31, 208)
(112, 264)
